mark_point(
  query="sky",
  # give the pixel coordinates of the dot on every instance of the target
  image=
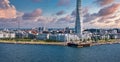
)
(59, 13)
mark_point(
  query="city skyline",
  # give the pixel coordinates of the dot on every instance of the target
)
(59, 13)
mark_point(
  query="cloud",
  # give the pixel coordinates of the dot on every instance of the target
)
(117, 21)
(84, 11)
(46, 20)
(104, 2)
(103, 14)
(89, 17)
(67, 18)
(73, 13)
(109, 10)
(84, 14)
(33, 15)
(19, 14)
(107, 17)
(6, 10)
(63, 2)
(60, 12)
(9, 17)
(37, 18)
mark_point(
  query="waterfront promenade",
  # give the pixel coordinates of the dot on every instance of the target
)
(58, 43)
(34, 42)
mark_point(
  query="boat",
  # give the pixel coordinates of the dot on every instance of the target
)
(85, 44)
(72, 44)
(78, 44)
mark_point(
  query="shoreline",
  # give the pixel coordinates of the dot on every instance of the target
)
(106, 43)
(53, 43)
(34, 43)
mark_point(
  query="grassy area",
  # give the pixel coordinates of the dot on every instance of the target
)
(30, 41)
(26, 40)
(108, 40)
(50, 42)
(7, 39)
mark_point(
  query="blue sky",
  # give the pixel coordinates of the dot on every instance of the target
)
(59, 13)
(48, 6)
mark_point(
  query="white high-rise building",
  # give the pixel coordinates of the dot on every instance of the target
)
(78, 23)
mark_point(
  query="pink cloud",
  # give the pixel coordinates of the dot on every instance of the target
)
(7, 10)
(109, 10)
(107, 17)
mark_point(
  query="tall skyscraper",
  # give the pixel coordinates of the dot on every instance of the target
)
(78, 23)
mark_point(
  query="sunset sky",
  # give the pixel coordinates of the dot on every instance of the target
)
(59, 13)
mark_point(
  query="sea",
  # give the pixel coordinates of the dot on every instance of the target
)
(50, 53)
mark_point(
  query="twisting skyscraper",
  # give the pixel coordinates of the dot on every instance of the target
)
(78, 23)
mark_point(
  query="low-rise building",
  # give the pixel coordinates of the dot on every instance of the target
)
(7, 34)
(58, 37)
(42, 36)
(87, 35)
(115, 36)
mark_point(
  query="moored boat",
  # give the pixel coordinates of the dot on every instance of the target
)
(72, 44)
(78, 44)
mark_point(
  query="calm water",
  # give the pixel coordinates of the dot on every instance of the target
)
(46, 53)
